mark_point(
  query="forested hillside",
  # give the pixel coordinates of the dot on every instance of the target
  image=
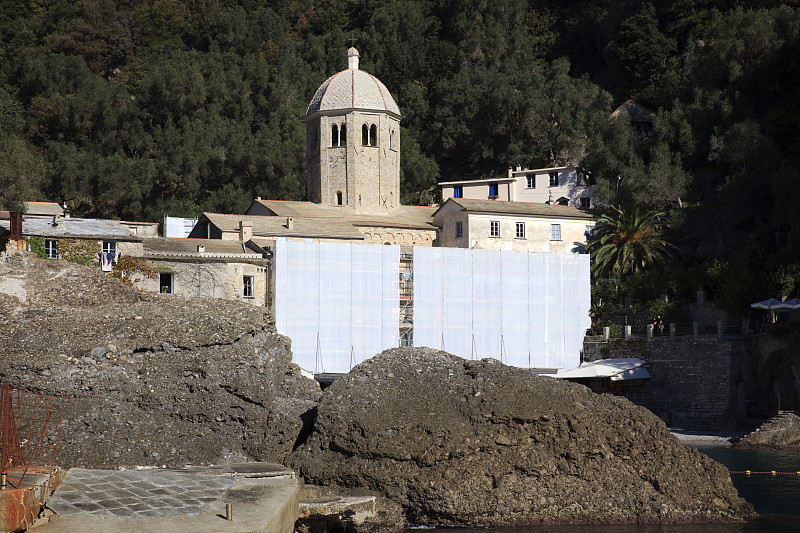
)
(138, 108)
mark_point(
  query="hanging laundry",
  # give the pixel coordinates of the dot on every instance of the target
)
(106, 264)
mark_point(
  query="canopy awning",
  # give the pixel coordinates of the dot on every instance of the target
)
(616, 369)
(772, 303)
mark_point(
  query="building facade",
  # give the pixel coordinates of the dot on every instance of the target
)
(520, 226)
(567, 185)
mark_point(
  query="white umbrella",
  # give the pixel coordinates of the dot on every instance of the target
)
(794, 303)
(772, 303)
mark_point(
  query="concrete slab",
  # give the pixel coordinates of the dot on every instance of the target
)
(264, 499)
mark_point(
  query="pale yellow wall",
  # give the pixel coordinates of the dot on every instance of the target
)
(568, 186)
(480, 191)
(399, 236)
(208, 280)
(476, 232)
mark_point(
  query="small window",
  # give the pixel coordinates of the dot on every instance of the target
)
(520, 230)
(334, 135)
(555, 232)
(51, 248)
(585, 203)
(459, 229)
(554, 179)
(339, 198)
(343, 135)
(247, 286)
(494, 228)
(110, 247)
(493, 191)
(458, 191)
(589, 232)
(364, 135)
(530, 181)
(373, 135)
(165, 283)
(392, 140)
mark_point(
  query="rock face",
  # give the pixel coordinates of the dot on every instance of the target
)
(151, 379)
(477, 442)
(781, 432)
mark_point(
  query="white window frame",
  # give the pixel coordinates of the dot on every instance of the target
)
(459, 230)
(110, 247)
(169, 287)
(555, 232)
(248, 283)
(51, 248)
(494, 228)
(554, 179)
(589, 233)
(520, 234)
(530, 181)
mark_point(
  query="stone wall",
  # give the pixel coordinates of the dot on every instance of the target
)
(696, 379)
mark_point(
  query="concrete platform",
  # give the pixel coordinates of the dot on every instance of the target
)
(264, 497)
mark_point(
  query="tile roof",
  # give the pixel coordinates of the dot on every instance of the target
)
(304, 226)
(168, 246)
(520, 208)
(406, 216)
(78, 228)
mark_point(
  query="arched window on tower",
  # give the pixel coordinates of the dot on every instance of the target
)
(343, 135)
(373, 135)
(334, 135)
(339, 198)
(364, 135)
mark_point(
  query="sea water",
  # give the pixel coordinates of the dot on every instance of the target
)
(776, 499)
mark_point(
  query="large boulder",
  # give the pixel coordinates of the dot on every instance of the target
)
(781, 432)
(477, 442)
(149, 379)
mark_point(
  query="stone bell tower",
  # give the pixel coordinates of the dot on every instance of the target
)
(353, 143)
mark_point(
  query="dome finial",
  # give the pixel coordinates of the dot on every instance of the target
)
(352, 58)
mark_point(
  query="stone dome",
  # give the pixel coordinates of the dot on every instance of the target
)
(352, 89)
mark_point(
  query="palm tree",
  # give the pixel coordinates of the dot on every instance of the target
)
(626, 242)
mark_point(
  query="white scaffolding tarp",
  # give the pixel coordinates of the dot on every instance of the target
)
(526, 309)
(338, 302)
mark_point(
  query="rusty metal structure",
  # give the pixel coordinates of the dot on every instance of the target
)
(30, 433)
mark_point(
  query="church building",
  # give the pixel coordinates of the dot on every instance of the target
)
(353, 163)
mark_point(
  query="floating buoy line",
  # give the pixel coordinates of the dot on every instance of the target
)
(769, 473)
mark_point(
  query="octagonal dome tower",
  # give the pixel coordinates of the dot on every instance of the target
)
(353, 142)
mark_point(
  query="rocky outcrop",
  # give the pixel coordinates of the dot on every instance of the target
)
(781, 432)
(150, 379)
(476, 442)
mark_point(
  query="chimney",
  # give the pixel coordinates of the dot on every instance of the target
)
(289, 223)
(258, 198)
(201, 249)
(519, 168)
(245, 230)
(16, 225)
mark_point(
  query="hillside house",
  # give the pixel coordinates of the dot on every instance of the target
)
(522, 226)
(206, 268)
(568, 185)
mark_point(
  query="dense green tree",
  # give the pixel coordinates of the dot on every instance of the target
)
(21, 172)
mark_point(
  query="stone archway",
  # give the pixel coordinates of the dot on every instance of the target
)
(778, 382)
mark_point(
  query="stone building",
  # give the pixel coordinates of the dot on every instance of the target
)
(353, 136)
(567, 185)
(353, 165)
(203, 268)
(521, 226)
